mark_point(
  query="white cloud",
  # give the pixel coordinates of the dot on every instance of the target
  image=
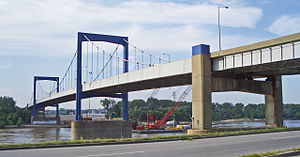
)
(286, 24)
(50, 26)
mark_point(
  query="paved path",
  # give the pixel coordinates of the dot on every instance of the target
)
(222, 146)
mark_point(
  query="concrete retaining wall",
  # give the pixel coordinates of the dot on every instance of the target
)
(45, 119)
(100, 129)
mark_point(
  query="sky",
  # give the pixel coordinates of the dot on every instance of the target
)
(39, 37)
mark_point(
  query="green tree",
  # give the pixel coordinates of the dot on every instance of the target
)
(117, 110)
(297, 115)
(238, 111)
(107, 105)
(138, 110)
(7, 105)
(223, 111)
(10, 114)
(20, 121)
(249, 111)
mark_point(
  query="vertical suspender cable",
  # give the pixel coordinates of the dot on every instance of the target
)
(116, 62)
(118, 66)
(103, 58)
(110, 66)
(142, 59)
(71, 74)
(150, 60)
(97, 60)
(75, 65)
(92, 69)
(135, 57)
(68, 84)
(87, 61)
(106, 68)
(65, 82)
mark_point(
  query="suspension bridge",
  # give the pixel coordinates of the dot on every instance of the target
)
(98, 64)
(108, 75)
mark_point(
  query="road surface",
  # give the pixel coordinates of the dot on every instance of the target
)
(222, 146)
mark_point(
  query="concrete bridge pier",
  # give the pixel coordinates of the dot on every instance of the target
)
(201, 86)
(273, 101)
(43, 116)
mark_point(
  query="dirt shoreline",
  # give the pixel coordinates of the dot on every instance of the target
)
(38, 126)
(242, 120)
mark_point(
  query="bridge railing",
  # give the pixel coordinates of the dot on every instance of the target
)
(269, 54)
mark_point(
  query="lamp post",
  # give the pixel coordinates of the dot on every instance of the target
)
(219, 27)
(167, 55)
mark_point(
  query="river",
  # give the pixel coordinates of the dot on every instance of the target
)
(32, 135)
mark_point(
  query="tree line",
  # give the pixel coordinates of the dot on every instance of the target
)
(10, 114)
(138, 110)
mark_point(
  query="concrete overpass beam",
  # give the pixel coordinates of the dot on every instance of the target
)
(201, 85)
(222, 84)
(274, 114)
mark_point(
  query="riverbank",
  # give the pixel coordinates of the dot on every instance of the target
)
(142, 140)
(38, 126)
(241, 120)
(67, 124)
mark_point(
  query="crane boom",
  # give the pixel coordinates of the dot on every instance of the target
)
(154, 93)
(173, 108)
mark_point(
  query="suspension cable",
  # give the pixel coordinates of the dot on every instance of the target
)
(111, 56)
(116, 57)
(43, 89)
(65, 74)
(144, 51)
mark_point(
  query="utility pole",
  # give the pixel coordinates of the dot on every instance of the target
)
(174, 96)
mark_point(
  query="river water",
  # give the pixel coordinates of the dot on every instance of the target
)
(32, 135)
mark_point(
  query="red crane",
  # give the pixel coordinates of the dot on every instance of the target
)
(158, 123)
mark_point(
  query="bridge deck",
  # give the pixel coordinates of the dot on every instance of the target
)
(280, 56)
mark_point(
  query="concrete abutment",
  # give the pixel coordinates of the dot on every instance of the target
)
(101, 129)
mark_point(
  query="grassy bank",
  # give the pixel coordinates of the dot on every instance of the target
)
(272, 153)
(145, 139)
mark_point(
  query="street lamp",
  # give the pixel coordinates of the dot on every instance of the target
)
(167, 55)
(219, 28)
